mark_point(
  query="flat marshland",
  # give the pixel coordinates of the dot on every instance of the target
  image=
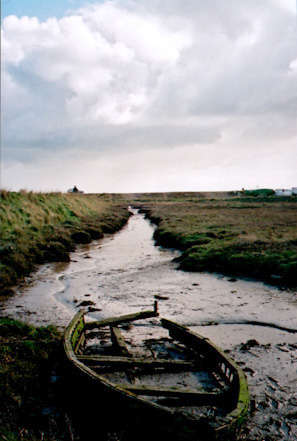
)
(237, 236)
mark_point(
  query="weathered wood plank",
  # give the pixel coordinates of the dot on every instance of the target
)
(142, 389)
(80, 343)
(77, 329)
(140, 362)
(194, 395)
(123, 319)
(118, 341)
(200, 344)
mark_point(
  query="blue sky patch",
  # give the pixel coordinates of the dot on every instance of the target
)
(42, 9)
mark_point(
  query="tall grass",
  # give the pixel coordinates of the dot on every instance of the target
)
(39, 227)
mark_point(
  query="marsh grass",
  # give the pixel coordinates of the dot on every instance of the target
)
(27, 357)
(235, 237)
(44, 227)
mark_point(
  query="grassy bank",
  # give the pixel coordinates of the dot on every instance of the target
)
(237, 236)
(30, 406)
(44, 227)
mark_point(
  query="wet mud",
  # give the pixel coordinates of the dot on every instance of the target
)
(125, 273)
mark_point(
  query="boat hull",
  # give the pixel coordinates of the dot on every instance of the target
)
(128, 409)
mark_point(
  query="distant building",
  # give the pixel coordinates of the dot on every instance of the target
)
(294, 191)
(284, 192)
(74, 190)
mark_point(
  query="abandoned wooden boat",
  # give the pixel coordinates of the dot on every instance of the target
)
(173, 380)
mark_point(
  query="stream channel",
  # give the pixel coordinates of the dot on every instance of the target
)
(126, 272)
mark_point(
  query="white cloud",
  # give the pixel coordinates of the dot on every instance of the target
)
(174, 79)
(107, 58)
(288, 5)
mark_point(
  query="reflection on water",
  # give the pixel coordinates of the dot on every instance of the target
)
(126, 273)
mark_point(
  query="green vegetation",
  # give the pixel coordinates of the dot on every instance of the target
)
(44, 227)
(235, 236)
(262, 192)
(250, 233)
(29, 409)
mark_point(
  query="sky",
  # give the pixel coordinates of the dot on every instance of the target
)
(148, 95)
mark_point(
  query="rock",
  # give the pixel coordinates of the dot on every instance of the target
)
(249, 370)
(92, 309)
(249, 344)
(86, 303)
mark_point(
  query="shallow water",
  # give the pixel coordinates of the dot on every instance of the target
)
(126, 273)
